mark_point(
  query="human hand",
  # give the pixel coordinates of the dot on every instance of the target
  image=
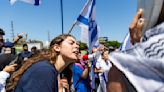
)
(136, 27)
(10, 68)
(21, 35)
(63, 83)
(87, 63)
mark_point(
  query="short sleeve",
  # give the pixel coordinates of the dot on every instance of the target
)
(77, 73)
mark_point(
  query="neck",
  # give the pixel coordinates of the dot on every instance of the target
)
(61, 64)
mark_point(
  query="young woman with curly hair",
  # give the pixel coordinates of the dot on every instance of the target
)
(39, 73)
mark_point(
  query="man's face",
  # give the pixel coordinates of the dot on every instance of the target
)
(25, 48)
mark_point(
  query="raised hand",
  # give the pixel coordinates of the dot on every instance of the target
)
(136, 27)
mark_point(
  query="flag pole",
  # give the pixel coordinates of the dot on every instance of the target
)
(72, 27)
(61, 9)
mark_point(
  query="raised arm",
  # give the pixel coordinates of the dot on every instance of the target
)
(17, 38)
(136, 27)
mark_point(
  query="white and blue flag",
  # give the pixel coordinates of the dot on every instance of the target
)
(34, 2)
(86, 21)
(126, 44)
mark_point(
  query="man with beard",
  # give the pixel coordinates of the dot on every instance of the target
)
(25, 54)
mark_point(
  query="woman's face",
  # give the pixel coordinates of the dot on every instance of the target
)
(69, 49)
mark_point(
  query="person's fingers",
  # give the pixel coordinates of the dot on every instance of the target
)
(135, 20)
(140, 24)
(64, 80)
(136, 27)
(10, 68)
(66, 86)
(13, 65)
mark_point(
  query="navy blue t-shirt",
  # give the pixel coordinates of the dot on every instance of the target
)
(25, 54)
(40, 77)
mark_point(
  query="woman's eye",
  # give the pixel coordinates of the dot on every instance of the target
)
(71, 43)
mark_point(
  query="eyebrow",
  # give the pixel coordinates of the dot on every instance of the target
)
(71, 40)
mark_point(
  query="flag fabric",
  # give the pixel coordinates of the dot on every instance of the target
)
(126, 44)
(34, 2)
(87, 22)
(143, 64)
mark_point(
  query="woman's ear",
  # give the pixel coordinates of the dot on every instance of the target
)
(56, 48)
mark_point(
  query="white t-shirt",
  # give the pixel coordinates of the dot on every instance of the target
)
(3, 76)
(105, 66)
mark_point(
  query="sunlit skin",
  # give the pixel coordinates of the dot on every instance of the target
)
(136, 27)
(69, 51)
(106, 55)
(116, 78)
(10, 68)
(63, 83)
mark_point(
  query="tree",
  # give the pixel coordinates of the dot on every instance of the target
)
(83, 46)
(115, 44)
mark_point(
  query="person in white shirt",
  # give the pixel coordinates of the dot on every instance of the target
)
(4, 74)
(104, 66)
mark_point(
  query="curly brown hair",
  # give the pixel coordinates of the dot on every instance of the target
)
(51, 56)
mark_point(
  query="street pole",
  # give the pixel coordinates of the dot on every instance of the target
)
(61, 9)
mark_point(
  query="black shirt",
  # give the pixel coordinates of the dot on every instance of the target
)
(5, 59)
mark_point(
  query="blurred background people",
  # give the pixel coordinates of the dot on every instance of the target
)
(25, 54)
(80, 74)
(104, 66)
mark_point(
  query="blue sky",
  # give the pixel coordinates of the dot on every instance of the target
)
(113, 17)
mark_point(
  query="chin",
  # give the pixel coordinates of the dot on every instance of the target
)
(72, 58)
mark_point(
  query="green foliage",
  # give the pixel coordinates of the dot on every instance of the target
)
(113, 43)
(116, 44)
(83, 46)
(21, 41)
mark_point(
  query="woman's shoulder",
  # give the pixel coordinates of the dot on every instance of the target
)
(43, 66)
(42, 63)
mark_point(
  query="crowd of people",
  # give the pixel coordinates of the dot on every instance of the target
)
(64, 67)
(42, 70)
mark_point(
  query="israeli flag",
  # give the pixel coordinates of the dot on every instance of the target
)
(126, 44)
(86, 21)
(34, 2)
